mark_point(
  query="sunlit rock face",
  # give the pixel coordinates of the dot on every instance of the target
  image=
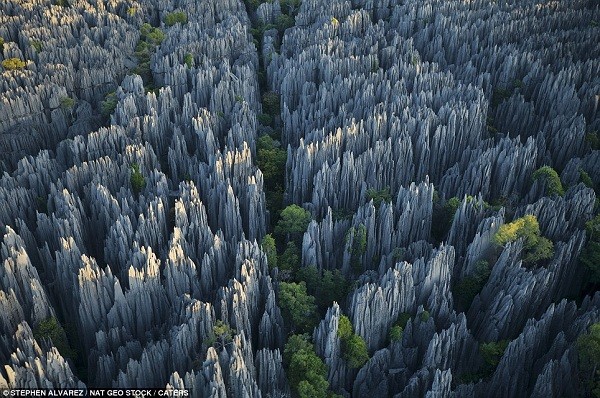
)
(133, 207)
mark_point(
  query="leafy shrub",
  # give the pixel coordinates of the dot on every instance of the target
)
(306, 372)
(593, 139)
(443, 214)
(37, 45)
(536, 248)
(188, 60)
(268, 246)
(284, 22)
(107, 107)
(176, 17)
(326, 286)
(265, 119)
(52, 330)
(380, 196)
(548, 175)
(67, 103)
(354, 347)
(358, 248)
(588, 350)
(221, 335)
(396, 333)
(13, 64)
(492, 352)
(590, 255)
(138, 182)
(293, 222)
(270, 102)
(297, 306)
(471, 285)
(586, 179)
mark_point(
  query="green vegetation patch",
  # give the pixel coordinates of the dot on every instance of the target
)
(550, 177)
(138, 182)
(536, 247)
(13, 64)
(176, 17)
(354, 347)
(52, 330)
(297, 306)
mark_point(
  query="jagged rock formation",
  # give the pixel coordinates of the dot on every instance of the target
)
(139, 229)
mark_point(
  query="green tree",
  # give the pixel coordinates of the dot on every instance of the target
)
(380, 196)
(290, 258)
(471, 285)
(37, 45)
(295, 343)
(354, 347)
(492, 352)
(268, 246)
(108, 106)
(51, 329)
(188, 60)
(397, 329)
(344, 328)
(138, 182)
(326, 286)
(151, 35)
(294, 221)
(308, 374)
(355, 351)
(271, 103)
(67, 103)
(176, 17)
(550, 177)
(13, 64)
(396, 333)
(222, 335)
(297, 306)
(284, 22)
(588, 349)
(271, 161)
(443, 214)
(586, 179)
(536, 247)
(358, 248)
(590, 255)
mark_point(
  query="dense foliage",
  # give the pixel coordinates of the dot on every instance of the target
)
(306, 372)
(175, 17)
(588, 348)
(51, 329)
(354, 347)
(297, 306)
(535, 247)
(550, 177)
(138, 182)
(13, 64)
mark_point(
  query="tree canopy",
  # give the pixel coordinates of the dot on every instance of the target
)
(51, 329)
(294, 221)
(268, 246)
(354, 347)
(535, 246)
(588, 349)
(550, 177)
(306, 372)
(297, 306)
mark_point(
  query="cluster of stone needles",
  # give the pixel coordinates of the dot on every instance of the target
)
(285, 198)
